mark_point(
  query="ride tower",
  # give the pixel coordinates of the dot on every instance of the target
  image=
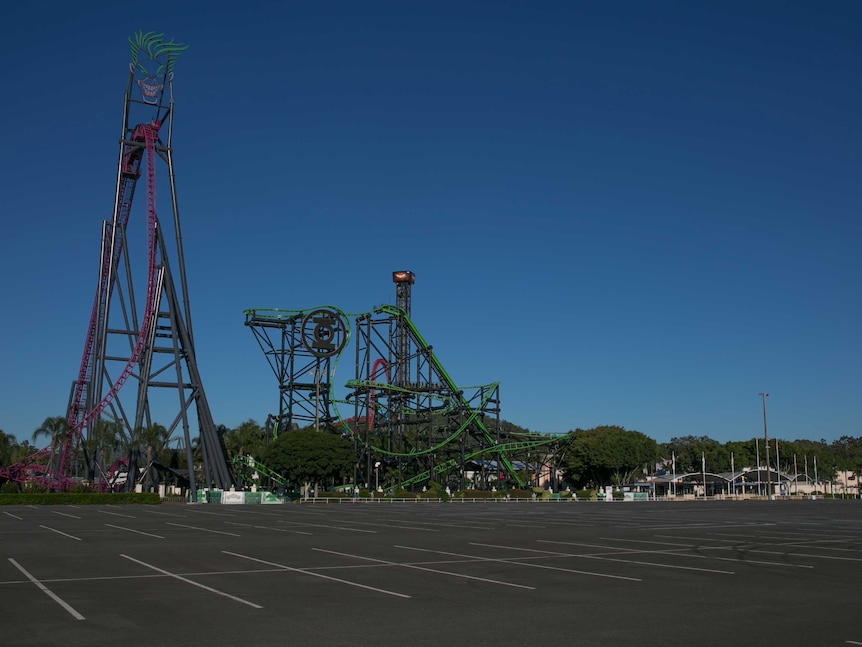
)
(412, 420)
(409, 421)
(140, 327)
(302, 349)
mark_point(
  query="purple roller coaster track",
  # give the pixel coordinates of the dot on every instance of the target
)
(145, 339)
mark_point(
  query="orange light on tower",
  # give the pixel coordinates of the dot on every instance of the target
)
(403, 276)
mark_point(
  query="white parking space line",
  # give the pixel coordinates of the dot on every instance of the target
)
(806, 545)
(424, 568)
(464, 526)
(695, 538)
(785, 553)
(217, 514)
(47, 591)
(71, 516)
(701, 526)
(217, 532)
(165, 514)
(852, 642)
(257, 512)
(386, 525)
(320, 525)
(608, 558)
(517, 561)
(736, 535)
(192, 582)
(14, 515)
(548, 522)
(152, 576)
(138, 532)
(60, 532)
(679, 548)
(646, 541)
(249, 525)
(805, 536)
(810, 543)
(295, 532)
(116, 514)
(320, 575)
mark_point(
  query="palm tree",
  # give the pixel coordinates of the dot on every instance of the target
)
(55, 428)
(103, 446)
(7, 442)
(152, 440)
(146, 447)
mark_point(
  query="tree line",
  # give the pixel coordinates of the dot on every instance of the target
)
(607, 455)
(599, 456)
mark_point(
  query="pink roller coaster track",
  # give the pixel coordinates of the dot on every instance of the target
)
(78, 418)
(379, 364)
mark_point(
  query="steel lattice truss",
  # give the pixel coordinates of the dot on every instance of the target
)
(402, 410)
(304, 376)
(140, 327)
(410, 415)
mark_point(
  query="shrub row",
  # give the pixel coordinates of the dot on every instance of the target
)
(475, 494)
(90, 498)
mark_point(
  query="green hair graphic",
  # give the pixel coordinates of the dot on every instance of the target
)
(150, 46)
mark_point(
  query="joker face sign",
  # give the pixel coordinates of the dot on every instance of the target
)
(152, 63)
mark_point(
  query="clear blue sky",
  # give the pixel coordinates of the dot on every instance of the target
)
(632, 213)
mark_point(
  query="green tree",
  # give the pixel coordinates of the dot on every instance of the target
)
(848, 452)
(21, 450)
(151, 441)
(743, 453)
(54, 428)
(690, 450)
(7, 448)
(609, 455)
(249, 439)
(308, 457)
(104, 444)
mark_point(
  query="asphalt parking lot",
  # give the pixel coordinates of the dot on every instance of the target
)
(620, 573)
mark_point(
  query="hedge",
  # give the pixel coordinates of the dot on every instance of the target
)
(90, 498)
(478, 494)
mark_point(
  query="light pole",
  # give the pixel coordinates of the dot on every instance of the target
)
(317, 375)
(377, 476)
(759, 481)
(766, 439)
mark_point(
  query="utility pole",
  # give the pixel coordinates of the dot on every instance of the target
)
(766, 439)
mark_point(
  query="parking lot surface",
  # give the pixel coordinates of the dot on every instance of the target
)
(556, 573)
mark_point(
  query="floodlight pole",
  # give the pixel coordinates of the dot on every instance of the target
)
(766, 439)
(317, 399)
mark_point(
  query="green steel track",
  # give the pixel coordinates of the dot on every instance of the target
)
(453, 401)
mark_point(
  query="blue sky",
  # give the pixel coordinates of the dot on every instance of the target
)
(632, 213)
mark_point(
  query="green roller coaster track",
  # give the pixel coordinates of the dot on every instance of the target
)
(243, 463)
(454, 400)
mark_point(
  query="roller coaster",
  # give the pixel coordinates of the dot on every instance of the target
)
(403, 411)
(140, 326)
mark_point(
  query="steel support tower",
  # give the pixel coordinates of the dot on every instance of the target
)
(301, 348)
(408, 416)
(412, 418)
(409, 421)
(140, 327)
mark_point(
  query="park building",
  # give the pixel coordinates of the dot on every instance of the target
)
(741, 484)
